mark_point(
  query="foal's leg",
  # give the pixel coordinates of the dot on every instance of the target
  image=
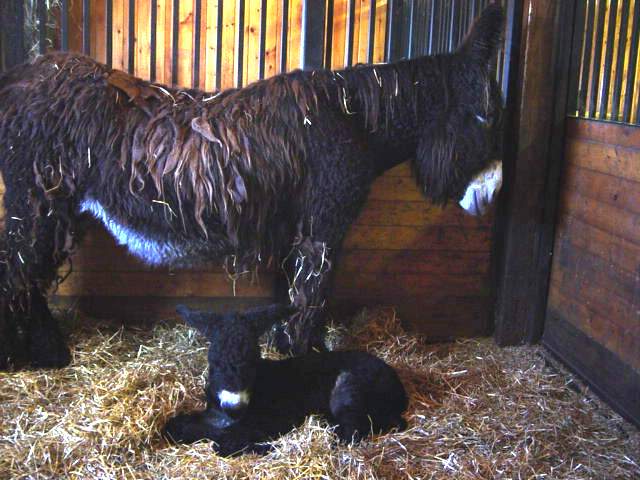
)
(348, 408)
(37, 240)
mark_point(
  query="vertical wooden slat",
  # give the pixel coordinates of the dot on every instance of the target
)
(576, 56)
(631, 85)
(608, 57)
(597, 56)
(622, 49)
(586, 58)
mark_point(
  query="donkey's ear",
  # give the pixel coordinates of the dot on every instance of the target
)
(265, 316)
(204, 322)
(482, 41)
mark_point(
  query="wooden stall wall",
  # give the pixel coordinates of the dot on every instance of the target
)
(430, 263)
(593, 314)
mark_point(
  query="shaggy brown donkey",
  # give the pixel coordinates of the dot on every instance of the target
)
(276, 170)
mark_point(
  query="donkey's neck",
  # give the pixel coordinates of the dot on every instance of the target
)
(393, 102)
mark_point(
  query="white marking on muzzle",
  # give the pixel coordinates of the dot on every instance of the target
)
(233, 399)
(483, 189)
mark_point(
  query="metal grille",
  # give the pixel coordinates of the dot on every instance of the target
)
(605, 56)
(390, 30)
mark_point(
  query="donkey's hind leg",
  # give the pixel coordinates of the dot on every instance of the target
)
(37, 240)
(348, 409)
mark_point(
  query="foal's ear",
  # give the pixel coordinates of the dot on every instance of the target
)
(204, 322)
(265, 316)
(482, 41)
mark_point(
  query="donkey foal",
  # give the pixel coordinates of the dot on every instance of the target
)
(251, 400)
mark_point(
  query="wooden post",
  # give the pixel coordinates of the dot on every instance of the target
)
(532, 161)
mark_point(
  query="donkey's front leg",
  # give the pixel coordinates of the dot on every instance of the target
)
(307, 269)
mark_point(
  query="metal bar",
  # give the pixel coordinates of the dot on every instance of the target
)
(312, 36)
(577, 44)
(452, 26)
(42, 26)
(175, 29)
(12, 19)
(86, 38)
(431, 26)
(240, 42)
(388, 31)
(631, 69)
(586, 59)
(372, 30)
(219, 25)
(131, 36)
(511, 46)
(263, 39)
(197, 24)
(622, 47)
(608, 57)
(64, 24)
(284, 36)
(410, 19)
(153, 39)
(108, 31)
(329, 37)
(597, 55)
(351, 18)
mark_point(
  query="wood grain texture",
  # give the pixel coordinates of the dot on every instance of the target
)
(595, 278)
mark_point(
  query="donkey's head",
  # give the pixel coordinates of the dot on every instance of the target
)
(233, 352)
(459, 143)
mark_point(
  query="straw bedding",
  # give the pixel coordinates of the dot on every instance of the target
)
(476, 411)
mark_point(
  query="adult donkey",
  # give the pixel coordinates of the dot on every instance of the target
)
(276, 170)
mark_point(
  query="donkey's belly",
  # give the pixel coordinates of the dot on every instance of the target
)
(149, 250)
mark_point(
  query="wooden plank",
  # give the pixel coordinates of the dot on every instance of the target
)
(228, 44)
(610, 159)
(621, 340)
(604, 132)
(97, 22)
(614, 191)
(295, 31)
(606, 217)
(525, 228)
(142, 39)
(210, 34)
(339, 34)
(120, 12)
(185, 43)
(610, 378)
(386, 285)
(271, 38)
(614, 250)
(167, 284)
(614, 280)
(438, 318)
(576, 284)
(380, 30)
(151, 309)
(399, 213)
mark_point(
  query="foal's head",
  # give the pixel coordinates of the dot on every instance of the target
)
(233, 352)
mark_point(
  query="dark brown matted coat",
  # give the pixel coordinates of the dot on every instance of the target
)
(276, 170)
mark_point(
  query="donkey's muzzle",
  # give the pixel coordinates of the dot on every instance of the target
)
(483, 189)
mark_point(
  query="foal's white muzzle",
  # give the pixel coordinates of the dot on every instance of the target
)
(483, 189)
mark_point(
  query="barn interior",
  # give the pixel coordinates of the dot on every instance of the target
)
(516, 334)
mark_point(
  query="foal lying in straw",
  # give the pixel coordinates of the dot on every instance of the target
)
(275, 171)
(251, 400)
